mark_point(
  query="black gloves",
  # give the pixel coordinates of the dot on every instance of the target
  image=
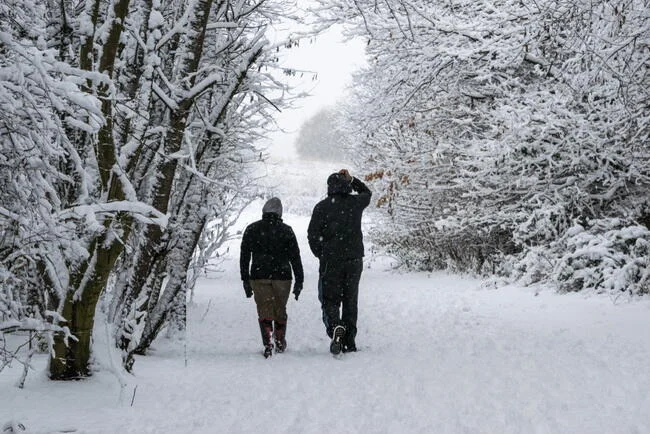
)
(248, 289)
(346, 174)
(297, 287)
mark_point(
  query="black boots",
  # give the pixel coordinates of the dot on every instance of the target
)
(342, 340)
(349, 346)
(338, 335)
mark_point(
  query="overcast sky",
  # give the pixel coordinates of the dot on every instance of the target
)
(334, 59)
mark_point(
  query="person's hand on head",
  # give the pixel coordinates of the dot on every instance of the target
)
(346, 174)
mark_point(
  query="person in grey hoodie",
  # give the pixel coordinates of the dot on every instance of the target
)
(269, 252)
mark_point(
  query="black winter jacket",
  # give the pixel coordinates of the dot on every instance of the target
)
(273, 248)
(334, 231)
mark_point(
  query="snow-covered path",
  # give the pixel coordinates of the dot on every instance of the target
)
(438, 353)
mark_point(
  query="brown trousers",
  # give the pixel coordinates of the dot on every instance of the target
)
(271, 298)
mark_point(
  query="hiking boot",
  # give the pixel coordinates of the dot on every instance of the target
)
(337, 339)
(280, 346)
(280, 332)
(349, 346)
(266, 329)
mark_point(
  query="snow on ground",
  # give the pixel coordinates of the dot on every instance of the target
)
(438, 354)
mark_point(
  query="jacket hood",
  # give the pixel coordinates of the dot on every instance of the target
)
(337, 184)
(273, 205)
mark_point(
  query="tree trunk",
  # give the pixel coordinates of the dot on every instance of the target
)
(179, 258)
(70, 360)
(150, 252)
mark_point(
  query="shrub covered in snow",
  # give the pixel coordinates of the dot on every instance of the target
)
(604, 256)
(608, 256)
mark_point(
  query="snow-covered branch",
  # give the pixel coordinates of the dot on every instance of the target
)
(138, 209)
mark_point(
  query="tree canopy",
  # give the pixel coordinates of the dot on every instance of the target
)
(498, 132)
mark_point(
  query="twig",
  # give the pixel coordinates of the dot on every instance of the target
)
(206, 310)
(133, 397)
(8, 357)
(26, 366)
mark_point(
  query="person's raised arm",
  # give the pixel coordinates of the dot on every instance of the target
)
(357, 185)
(363, 191)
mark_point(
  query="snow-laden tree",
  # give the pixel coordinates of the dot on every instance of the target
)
(320, 137)
(493, 128)
(41, 106)
(215, 109)
(132, 123)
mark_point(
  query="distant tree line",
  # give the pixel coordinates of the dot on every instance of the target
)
(321, 136)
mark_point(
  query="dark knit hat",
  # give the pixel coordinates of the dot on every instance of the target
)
(337, 184)
(274, 206)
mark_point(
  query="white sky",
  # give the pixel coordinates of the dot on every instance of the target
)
(333, 59)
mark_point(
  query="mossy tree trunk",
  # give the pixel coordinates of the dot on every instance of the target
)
(71, 357)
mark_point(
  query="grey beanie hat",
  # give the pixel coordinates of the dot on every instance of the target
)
(273, 205)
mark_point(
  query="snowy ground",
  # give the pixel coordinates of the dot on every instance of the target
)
(438, 354)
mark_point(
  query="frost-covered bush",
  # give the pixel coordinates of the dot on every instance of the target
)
(604, 256)
(607, 256)
(446, 244)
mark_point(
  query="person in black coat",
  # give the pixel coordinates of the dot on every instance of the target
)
(335, 238)
(272, 246)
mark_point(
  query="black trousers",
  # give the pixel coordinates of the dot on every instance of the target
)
(339, 294)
